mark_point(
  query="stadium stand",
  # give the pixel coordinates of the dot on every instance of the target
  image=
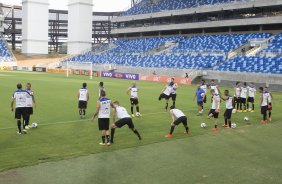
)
(5, 55)
(254, 64)
(196, 52)
(153, 6)
(275, 45)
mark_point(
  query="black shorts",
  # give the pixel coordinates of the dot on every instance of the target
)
(263, 109)
(243, 100)
(125, 121)
(103, 123)
(173, 97)
(200, 103)
(29, 110)
(236, 100)
(228, 113)
(20, 112)
(164, 96)
(251, 99)
(82, 104)
(205, 99)
(182, 119)
(134, 101)
(215, 114)
(269, 106)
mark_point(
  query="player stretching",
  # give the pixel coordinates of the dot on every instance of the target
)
(30, 102)
(237, 92)
(173, 91)
(251, 97)
(270, 98)
(133, 92)
(229, 106)
(83, 97)
(19, 98)
(124, 119)
(165, 93)
(177, 117)
(243, 97)
(215, 109)
(200, 94)
(103, 110)
(204, 87)
(263, 104)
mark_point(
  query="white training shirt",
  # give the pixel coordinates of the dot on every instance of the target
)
(29, 98)
(244, 91)
(214, 87)
(268, 96)
(83, 94)
(134, 92)
(105, 106)
(174, 88)
(20, 97)
(215, 98)
(264, 99)
(168, 90)
(237, 91)
(228, 102)
(121, 113)
(204, 87)
(177, 113)
(252, 91)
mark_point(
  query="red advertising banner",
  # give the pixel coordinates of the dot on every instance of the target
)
(165, 79)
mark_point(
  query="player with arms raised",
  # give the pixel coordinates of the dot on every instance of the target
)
(83, 98)
(103, 111)
(133, 92)
(124, 119)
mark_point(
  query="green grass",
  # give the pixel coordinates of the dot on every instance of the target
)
(61, 134)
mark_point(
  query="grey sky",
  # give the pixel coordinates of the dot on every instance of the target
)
(99, 5)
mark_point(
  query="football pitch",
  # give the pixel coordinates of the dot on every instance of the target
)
(65, 149)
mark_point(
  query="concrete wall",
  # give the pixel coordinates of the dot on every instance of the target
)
(35, 26)
(79, 26)
(210, 24)
(223, 78)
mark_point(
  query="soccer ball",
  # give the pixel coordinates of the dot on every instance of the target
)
(202, 94)
(203, 125)
(246, 119)
(34, 125)
(233, 125)
(250, 109)
(137, 114)
(234, 111)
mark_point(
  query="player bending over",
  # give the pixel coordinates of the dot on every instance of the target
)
(19, 98)
(263, 104)
(229, 107)
(133, 92)
(251, 96)
(124, 119)
(215, 109)
(30, 103)
(103, 110)
(165, 93)
(177, 117)
(83, 97)
(270, 98)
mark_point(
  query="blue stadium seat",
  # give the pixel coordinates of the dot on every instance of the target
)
(5, 55)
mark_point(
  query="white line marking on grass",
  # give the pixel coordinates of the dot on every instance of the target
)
(74, 121)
